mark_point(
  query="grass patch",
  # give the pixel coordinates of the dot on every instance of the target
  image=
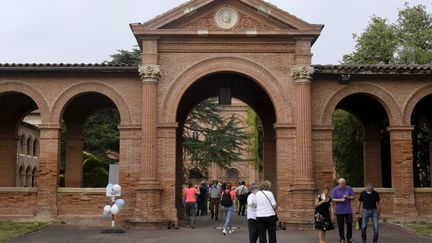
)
(12, 229)
(421, 228)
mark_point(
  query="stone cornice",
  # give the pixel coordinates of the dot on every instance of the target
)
(149, 73)
(302, 74)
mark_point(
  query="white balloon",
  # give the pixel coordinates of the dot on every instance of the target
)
(115, 209)
(116, 188)
(107, 208)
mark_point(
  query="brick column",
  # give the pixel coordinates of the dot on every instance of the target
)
(285, 161)
(302, 189)
(48, 171)
(8, 160)
(372, 160)
(74, 161)
(302, 76)
(402, 171)
(149, 75)
(148, 211)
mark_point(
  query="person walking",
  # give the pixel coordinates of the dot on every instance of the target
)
(251, 215)
(227, 200)
(242, 193)
(323, 214)
(190, 195)
(202, 197)
(266, 217)
(369, 207)
(342, 195)
(215, 194)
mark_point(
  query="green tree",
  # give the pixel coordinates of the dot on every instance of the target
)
(376, 45)
(255, 138)
(210, 139)
(415, 35)
(101, 133)
(95, 173)
(348, 147)
(125, 57)
(408, 41)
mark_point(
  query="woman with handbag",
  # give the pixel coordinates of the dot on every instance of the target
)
(266, 217)
(323, 212)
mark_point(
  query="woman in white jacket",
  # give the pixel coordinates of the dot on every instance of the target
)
(266, 213)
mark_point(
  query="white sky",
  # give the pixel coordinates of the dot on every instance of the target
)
(88, 31)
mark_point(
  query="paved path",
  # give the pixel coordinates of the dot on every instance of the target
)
(204, 232)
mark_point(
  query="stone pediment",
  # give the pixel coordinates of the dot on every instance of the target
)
(221, 17)
(237, 16)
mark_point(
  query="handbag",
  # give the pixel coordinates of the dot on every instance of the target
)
(276, 216)
(359, 223)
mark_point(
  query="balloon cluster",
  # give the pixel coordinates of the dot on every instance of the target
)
(113, 191)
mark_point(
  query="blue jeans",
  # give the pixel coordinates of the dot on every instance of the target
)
(228, 212)
(373, 214)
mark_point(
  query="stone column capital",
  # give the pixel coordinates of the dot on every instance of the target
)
(149, 73)
(302, 74)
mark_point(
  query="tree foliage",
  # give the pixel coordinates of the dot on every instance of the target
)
(415, 35)
(209, 139)
(377, 45)
(101, 133)
(95, 172)
(125, 57)
(348, 147)
(255, 138)
(408, 41)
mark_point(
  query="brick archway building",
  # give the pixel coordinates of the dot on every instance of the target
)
(264, 55)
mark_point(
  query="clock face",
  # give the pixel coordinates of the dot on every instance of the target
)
(226, 18)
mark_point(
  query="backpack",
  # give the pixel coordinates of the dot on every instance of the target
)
(226, 199)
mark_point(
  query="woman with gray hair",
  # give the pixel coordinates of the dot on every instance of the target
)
(251, 214)
(266, 217)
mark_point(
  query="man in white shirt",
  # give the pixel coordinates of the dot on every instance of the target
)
(251, 215)
(266, 213)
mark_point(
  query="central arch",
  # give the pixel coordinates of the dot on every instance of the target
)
(244, 67)
(242, 87)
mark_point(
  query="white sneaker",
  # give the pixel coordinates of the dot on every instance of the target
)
(224, 231)
(230, 231)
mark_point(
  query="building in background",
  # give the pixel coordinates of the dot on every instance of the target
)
(27, 163)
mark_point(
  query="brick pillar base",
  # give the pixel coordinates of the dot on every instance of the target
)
(300, 214)
(148, 212)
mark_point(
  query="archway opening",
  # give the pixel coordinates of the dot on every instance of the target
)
(361, 143)
(421, 119)
(89, 139)
(242, 100)
(15, 134)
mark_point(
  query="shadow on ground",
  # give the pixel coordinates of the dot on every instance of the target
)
(205, 232)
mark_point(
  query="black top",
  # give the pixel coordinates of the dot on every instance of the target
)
(324, 208)
(369, 200)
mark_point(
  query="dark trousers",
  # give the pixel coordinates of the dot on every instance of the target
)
(267, 224)
(190, 213)
(242, 206)
(214, 207)
(253, 231)
(341, 220)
